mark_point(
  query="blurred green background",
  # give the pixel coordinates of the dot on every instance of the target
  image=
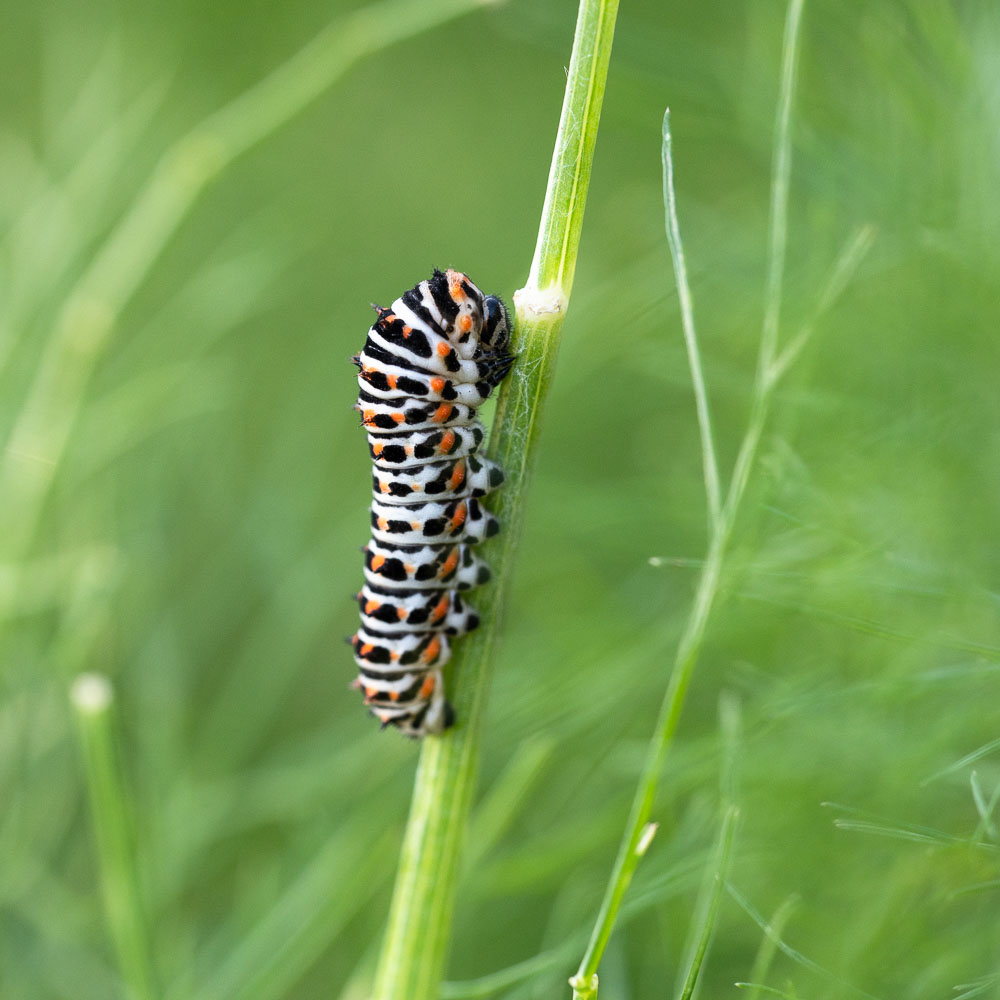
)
(196, 539)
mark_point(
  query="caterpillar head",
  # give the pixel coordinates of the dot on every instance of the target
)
(496, 326)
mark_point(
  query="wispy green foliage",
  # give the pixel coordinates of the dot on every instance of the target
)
(197, 543)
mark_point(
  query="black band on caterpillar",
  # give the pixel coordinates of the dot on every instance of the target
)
(392, 450)
(429, 362)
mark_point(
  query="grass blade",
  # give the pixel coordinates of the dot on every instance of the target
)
(92, 700)
(710, 463)
(707, 908)
(768, 945)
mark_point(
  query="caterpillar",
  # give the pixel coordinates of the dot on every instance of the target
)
(429, 362)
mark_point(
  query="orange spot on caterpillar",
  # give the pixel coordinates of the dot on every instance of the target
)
(393, 696)
(458, 518)
(447, 442)
(457, 475)
(378, 562)
(448, 566)
(465, 324)
(367, 648)
(427, 688)
(398, 417)
(440, 609)
(437, 384)
(383, 524)
(443, 349)
(391, 379)
(377, 448)
(401, 614)
(371, 606)
(442, 413)
(431, 652)
(410, 569)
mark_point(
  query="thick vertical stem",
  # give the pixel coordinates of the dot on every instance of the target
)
(413, 956)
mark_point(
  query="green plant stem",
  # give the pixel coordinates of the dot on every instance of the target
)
(843, 270)
(707, 907)
(584, 988)
(92, 700)
(706, 911)
(767, 949)
(685, 659)
(413, 955)
(771, 931)
(781, 171)
(87, 321)
(710, 463)
(693, 634)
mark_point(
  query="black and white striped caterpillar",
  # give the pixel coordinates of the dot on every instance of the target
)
(429, 362)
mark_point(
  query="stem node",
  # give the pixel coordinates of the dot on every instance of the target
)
(584, 987)
(531, 301)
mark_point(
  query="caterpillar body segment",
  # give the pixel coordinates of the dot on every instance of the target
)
(404, 413)
(391, 450)
(431, 522)
(401, 611)
(405, 567)
(468, 476)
